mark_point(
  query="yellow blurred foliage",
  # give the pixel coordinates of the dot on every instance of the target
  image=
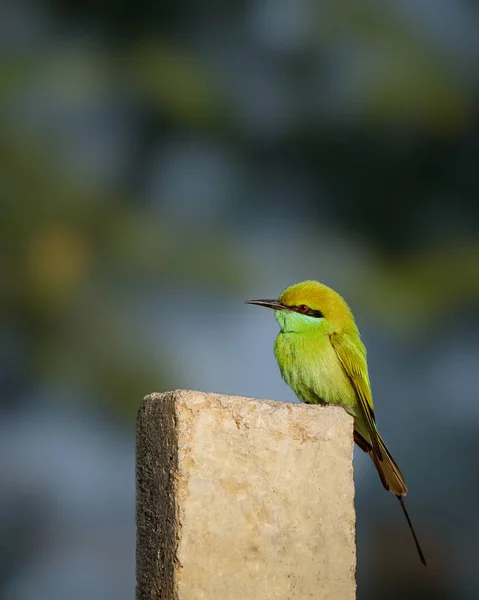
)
(58, 262)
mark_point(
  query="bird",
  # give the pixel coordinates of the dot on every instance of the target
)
(321, 356)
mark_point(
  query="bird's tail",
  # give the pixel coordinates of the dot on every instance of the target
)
(393, 480)
(390, 474)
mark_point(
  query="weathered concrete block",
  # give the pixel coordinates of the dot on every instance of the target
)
(242, 499)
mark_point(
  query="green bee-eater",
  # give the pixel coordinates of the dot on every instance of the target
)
(321, 356)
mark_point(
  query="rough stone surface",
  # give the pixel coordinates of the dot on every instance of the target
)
(242, 499)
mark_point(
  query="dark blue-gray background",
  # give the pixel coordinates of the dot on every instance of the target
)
(160, 162)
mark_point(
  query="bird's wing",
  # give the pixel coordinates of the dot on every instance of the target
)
(352, 355)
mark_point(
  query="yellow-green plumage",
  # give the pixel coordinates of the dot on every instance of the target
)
(321, 356)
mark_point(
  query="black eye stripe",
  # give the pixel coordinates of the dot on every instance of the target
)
(310, 312)
(315, 313)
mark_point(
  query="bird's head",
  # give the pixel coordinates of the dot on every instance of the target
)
(309, 304)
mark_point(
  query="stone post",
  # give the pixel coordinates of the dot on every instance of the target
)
(243, 499)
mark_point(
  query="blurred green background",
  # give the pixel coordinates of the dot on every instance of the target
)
(160, 162)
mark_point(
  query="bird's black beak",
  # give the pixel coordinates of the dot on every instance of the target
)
(274, 304)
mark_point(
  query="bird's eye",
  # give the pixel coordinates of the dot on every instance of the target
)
(303, 308)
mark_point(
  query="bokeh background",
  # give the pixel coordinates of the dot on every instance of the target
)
(160, 162)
